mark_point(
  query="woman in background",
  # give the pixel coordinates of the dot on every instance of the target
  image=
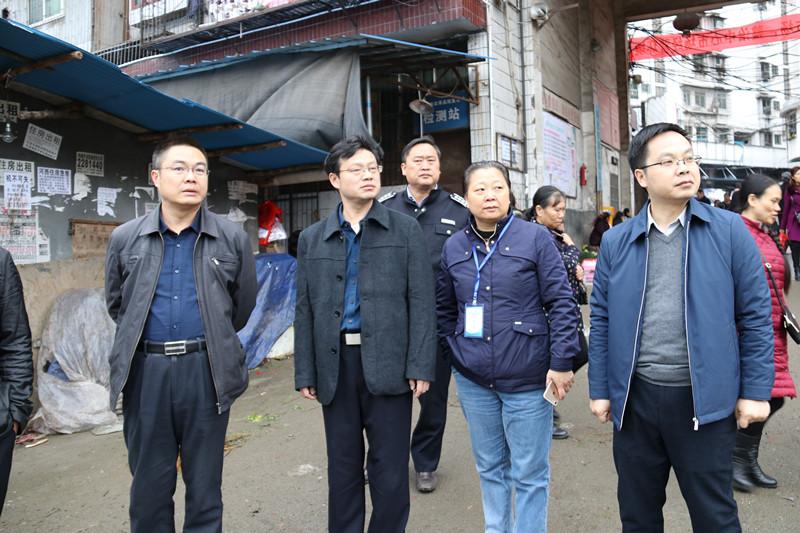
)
(790, 224)
(760, 205)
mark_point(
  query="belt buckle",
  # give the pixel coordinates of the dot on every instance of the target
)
(352, 339)
(175, 348)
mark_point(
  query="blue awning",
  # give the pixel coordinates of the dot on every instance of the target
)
(103, 86)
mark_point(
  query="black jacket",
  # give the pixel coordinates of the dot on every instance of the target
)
(396, 292)
(16, 360)
(441, 215)
(225, 275)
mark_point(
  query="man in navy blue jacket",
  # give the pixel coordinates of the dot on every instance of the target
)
(674, 369)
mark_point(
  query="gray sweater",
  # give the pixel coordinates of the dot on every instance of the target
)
(663, 354)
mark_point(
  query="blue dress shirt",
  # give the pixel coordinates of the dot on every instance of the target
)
(351, 317)
(174, 312)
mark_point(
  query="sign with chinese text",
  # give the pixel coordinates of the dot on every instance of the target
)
(16, 166)
(18, 233)
(90, 164)
(54, 180)
(17, 191)
(42, 141)
(560, 154)
(9, 110)
(448, 114)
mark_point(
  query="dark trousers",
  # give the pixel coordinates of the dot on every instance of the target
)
(169, 404)
(426, 441)
(6, 451)
(657, 433)
(794, 246)
(387, 422)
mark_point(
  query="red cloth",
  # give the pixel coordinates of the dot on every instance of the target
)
(268, 212)
(784, 385)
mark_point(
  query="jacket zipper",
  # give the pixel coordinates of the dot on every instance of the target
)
(686, 324)
(205, 321)
(638, 330)
(144, 321)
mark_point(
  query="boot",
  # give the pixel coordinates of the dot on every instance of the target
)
(797, 273)
(741, 464)
(757, 476)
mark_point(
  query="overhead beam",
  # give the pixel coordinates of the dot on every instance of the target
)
(247, 148)
(158, 135)
(68, 112)
(42, 63)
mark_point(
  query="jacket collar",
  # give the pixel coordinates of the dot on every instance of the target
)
(152, 222)
(694, 209)
(378, 212)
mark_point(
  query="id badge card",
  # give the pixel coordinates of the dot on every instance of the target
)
(473, 321)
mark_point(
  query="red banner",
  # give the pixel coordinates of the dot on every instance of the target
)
(775, 30)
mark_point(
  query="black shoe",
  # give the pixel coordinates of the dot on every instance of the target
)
(757, 476)
(559, 433)
(741, 466)
(556, 415)
(426, 482)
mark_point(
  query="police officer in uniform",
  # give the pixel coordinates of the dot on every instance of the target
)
(440, 214)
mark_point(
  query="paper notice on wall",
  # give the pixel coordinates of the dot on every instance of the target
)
(238, 190)
(90, 164)
(54, 180)
(83, 186)
(18, 234)
(106, 198)
(42, 141)
(42, 246)
(9, 110)
(17, 191)
(17, 166)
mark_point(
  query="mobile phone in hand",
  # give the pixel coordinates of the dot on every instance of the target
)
(550, 393)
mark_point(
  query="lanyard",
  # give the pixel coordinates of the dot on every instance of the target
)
(489, 254)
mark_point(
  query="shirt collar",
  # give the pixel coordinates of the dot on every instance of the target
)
(195, 225)
(681, 220)
(414, 200)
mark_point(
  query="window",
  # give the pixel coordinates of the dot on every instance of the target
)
(766, 106)
(687, 97)
(765, 71)
(700, 99)
(699, 64)
(723, 136)
(774, 70)
(777, 139)
(722, 101)
(646, 88)
(776, 105)
(701, 134)
(719, 66)
(791, 124)
(39, 10)
(767, 136)
(741, 137)
(661, 91)
(660, 69)
(634, 91)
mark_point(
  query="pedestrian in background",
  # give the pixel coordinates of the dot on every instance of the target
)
(599, 226)
(548, 209)
(365, 338)
(760, 207)
(440, 214)
(507, 312)
(180, 281)
(16, 366)
(674, 369)
(790, 219)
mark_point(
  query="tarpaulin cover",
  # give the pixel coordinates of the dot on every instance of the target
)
(73, 370)
(313, 98)
(274, 312)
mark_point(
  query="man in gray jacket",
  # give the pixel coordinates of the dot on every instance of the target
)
(180, 282)
(365, 338)
(16, 366)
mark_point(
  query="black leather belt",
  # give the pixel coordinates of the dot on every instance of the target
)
(173, 347)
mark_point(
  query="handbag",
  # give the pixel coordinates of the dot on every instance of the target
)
(789, 320)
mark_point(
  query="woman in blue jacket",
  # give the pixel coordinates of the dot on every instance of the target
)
(507, 312)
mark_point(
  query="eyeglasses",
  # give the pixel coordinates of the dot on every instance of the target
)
(181, 170)
(358, 171)
(672, 163)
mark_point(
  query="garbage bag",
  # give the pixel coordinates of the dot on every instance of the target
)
(77, 340)
(274, 311)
